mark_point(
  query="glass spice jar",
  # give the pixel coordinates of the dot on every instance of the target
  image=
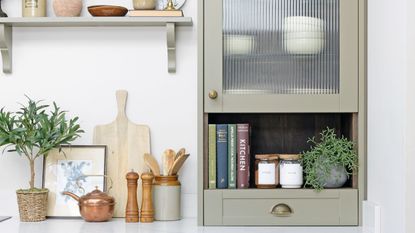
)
(266, 171)
(291, 171)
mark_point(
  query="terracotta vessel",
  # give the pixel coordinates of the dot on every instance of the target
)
(95, 206)
(67, 8)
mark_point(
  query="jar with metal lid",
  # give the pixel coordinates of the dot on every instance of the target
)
(266, 171)
(291, 171)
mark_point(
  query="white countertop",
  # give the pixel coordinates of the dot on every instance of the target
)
(119, 226)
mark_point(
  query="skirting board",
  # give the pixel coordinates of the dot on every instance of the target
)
(371, 217)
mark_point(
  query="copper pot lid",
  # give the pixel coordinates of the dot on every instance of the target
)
(96, 197)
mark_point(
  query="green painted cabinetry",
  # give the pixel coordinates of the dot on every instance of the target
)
(289, 68)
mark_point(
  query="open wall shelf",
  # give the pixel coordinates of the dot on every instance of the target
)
(170, 23)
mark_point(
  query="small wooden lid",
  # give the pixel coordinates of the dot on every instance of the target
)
(289, 156)
(267, 156)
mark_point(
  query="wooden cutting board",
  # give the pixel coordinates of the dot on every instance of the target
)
(126, 145)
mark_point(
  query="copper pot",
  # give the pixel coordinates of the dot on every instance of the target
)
(95, 206)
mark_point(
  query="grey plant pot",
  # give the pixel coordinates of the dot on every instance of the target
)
(337, 178)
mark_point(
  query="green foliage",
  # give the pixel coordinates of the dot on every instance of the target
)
(36, 129)
(330, 151)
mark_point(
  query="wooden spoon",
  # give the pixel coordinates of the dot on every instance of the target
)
(178, 164)
(168, 160)
(180, 153)
(151, 162)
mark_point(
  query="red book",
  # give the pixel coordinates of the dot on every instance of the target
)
(243, 154)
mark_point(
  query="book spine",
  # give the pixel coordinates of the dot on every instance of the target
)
(222, 156)
(212, 156)
(243, 153)
(232, 156)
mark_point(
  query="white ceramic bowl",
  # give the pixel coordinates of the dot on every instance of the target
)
(238, 44)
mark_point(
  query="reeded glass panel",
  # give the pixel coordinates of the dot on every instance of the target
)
(281, 46)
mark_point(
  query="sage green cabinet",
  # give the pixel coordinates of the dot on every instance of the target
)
(281, 56)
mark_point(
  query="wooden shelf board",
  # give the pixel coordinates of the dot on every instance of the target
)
(95, 21)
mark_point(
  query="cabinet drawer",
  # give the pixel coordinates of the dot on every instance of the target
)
(271, 211)
(284, 207)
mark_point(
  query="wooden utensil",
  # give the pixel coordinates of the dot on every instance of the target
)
(126, 143)
(151, 162)
(168, 160)
(178, 164)
(180, 153)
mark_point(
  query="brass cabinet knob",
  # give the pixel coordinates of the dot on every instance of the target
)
(281, 210)
(213, 94)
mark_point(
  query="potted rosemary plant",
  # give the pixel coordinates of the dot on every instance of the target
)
(32, 132)
(329, 162)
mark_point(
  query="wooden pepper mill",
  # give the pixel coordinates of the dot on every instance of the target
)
(131, 210)
(147, 210)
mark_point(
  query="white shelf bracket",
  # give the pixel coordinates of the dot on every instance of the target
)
(6, 47)
(171, 47)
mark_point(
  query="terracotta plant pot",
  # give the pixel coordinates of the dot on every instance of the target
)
(67, 8)
(32, 205)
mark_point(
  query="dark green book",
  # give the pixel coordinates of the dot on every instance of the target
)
(232, 156)
(212, 156)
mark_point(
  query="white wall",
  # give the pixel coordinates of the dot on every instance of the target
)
(410, 120)
(81, 68)
(387, 110)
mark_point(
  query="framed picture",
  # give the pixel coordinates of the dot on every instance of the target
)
(74, 169)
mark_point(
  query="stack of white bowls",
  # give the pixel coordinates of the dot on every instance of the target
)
(304, 35)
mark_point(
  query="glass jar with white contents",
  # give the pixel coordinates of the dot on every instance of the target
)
(291, 171)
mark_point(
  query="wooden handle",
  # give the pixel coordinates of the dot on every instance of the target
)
(131, 210)
(147, 210)
(122, 102)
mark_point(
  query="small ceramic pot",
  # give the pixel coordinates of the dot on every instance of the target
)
(337, 178)
(144, 4)
(67, 8)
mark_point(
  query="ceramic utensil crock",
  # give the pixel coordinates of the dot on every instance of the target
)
(166, 196)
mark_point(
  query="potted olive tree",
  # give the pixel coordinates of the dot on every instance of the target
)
(329, 162)
(33, 132)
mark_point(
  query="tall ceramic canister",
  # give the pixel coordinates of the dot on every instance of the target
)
(34, 8)
(166, 197)
(67, 8)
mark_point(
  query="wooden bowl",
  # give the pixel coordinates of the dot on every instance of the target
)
(107, 10)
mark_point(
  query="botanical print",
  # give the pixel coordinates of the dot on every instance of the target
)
(68, 171)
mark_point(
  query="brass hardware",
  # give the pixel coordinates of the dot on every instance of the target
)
(281, 210)
(170, 6)
(213, 94)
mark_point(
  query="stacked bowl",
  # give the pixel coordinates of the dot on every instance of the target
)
(304, 35)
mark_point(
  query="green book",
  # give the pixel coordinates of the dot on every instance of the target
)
(212, 156)
(232, 156)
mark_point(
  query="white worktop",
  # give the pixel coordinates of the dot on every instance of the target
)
(119, 226)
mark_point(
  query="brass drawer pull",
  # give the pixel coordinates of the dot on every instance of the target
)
(281, 210)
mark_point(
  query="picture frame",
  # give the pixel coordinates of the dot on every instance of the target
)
(67, 168)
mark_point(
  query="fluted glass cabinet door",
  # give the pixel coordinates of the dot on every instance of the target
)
(281, 55)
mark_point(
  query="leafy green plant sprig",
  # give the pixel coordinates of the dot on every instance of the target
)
(33, 131)
(330, 151)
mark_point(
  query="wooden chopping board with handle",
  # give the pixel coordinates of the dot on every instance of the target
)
(126, 145)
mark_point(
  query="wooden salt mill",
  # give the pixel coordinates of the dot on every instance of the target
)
(131, 210)
(147, 210)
